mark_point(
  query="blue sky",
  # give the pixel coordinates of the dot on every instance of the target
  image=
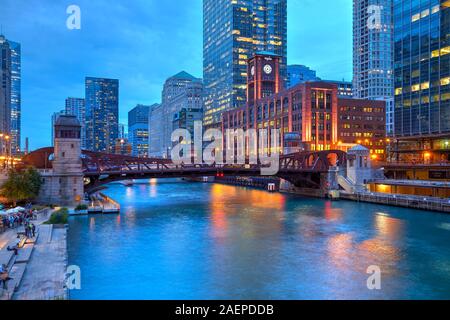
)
(143, 42)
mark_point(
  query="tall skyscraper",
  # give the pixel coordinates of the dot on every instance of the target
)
(102, 114)
(180, 91)
(233, 31)
(422, 79)
(297, 74)
(373, 53)
(16, 100)
(155, 131)
(5, 86)
(10, 91)
(122, 131)
(138, 130)
(76, 107)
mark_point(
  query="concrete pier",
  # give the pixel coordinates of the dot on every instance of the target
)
(102, 204)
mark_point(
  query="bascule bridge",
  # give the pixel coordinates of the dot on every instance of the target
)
(69, 173)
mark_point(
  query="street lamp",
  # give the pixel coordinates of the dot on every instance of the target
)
(8, 150)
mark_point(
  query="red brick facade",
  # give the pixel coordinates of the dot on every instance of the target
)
(312, 110)
(363, 122)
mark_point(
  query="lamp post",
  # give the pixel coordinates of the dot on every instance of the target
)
(8, 151)
(5, 150)
(9, 146)
(2, 149)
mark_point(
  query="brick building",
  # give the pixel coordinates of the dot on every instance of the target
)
(312, 110)
(363, 122)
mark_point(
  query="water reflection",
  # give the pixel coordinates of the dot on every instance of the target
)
(177, 240)
(332, 214)
(388, 227)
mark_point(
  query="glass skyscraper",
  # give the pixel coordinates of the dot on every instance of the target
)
(233, 31)
(138, 130)
(10, 91)
(422, 74)
(76, 107)
(297, 74)
(15, 96)
(422, 67)
(5, 86)
(372, 53)
(102, 114)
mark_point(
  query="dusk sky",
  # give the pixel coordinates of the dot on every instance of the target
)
(142, 43)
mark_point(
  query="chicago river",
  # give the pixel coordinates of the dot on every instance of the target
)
(181, 240)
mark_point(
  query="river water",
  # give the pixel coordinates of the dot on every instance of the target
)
(180, 240)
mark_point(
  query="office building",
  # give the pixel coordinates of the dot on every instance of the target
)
(313, 112)
(122, 147)
(373, 53)
(138, 130)
(155, 131)
(102, 114)
(233, 32)
(10, 91)
(181, 91)
(186, 118)
(76, 107)
(362, 122)
(345, 88)
(422, 81)
(123, 131)
(5, 86)
(297, 74)
(16, 98)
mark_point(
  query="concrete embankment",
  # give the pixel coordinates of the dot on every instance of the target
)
(406, 201)
(396, 200)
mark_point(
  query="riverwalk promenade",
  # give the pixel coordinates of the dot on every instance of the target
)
(39, 269)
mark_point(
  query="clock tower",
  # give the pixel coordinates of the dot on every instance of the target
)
(263, 76)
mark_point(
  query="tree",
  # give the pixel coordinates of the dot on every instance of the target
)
(21, 185)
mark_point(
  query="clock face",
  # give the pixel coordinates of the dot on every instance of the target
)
(268, 69)
(252, 70)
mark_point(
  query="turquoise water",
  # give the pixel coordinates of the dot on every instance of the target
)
(178, 240)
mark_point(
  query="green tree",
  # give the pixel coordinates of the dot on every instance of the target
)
(21, 185)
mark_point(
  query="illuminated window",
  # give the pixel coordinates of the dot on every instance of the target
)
(425, 85)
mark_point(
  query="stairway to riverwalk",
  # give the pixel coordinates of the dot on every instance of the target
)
(17, 264)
